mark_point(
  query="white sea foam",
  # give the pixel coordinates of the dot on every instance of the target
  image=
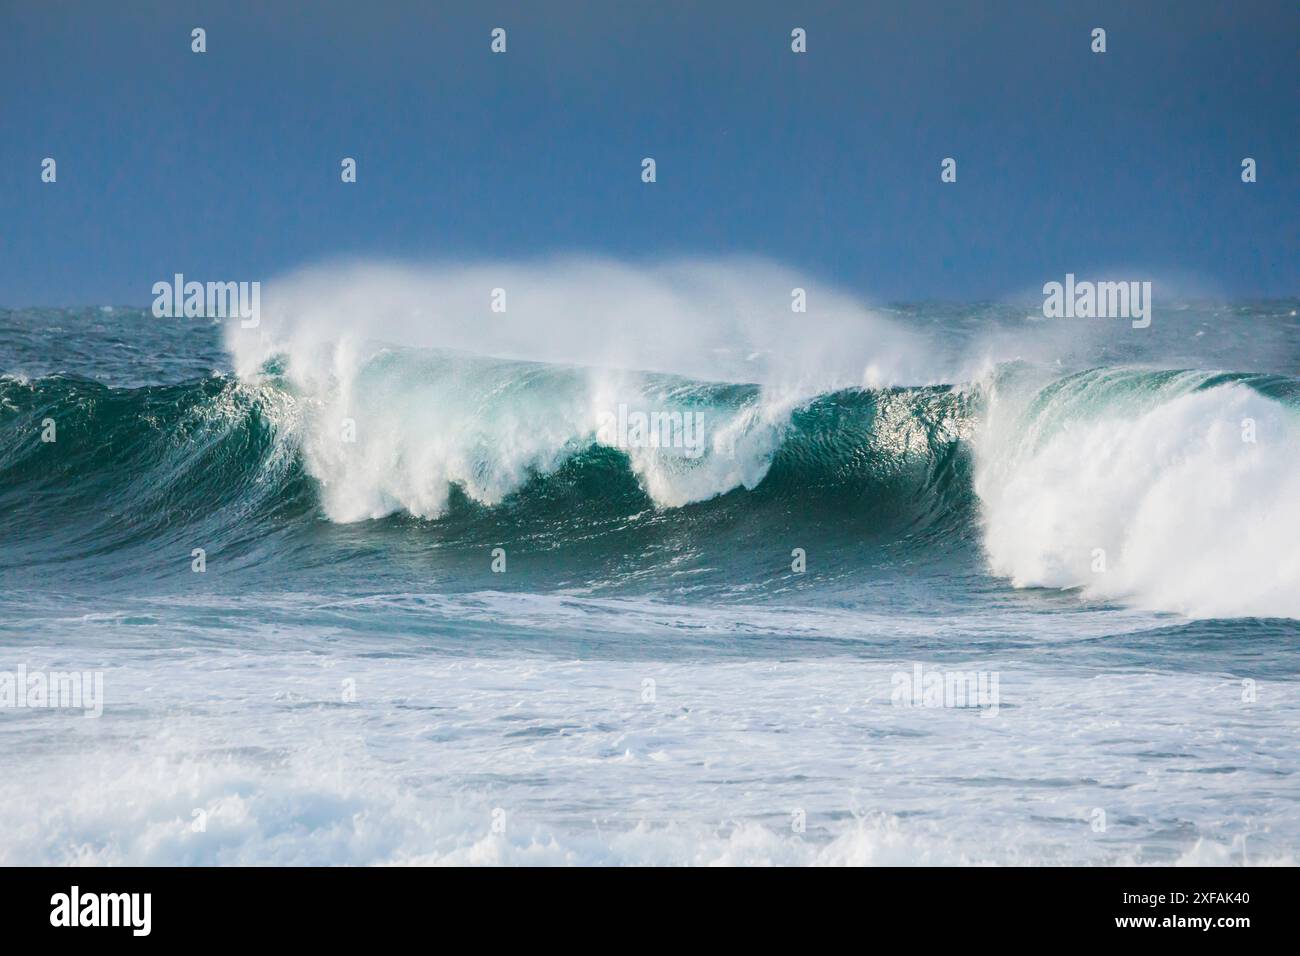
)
(251, 756)
(1157, 483)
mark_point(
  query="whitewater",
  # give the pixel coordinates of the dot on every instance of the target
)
(444, 616)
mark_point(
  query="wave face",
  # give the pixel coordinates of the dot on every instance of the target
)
(455, 452)
(409, 427)
(133, 472)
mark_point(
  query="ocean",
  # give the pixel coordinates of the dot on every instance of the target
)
(390, 578)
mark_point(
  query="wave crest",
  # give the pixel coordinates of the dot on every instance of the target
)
(1146, 487)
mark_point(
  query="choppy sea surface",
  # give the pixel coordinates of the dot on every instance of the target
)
(449, 611)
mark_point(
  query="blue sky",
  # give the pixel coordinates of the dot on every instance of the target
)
(225, 165)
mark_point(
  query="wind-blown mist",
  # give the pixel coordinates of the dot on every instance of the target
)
(723, 321)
